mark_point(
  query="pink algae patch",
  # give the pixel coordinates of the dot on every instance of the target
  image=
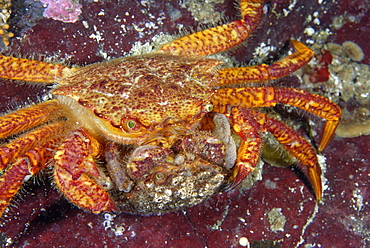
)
(62, 10)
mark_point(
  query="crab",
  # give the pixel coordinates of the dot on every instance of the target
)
(154, 133)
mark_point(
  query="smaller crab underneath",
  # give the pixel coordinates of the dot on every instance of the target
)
(139, 134)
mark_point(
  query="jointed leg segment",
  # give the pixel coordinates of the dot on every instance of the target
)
(219, 38)
(248, 124)
(262, 73)
(315, 104)
(9, 153)
(28, 164)
(31, 70)
(29, 153)
(296, 145)
(75, 173)
(249, 151)
(29, 117)
(255, 97)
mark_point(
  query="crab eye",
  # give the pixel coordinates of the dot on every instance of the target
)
(159, 178)
(131, 124)
(208, 107)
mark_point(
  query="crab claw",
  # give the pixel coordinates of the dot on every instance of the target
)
(250, 148)
(77, 176)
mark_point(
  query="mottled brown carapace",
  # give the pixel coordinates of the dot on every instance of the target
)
(152, 89)
(139, 134)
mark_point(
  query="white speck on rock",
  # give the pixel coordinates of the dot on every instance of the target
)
(277, 219)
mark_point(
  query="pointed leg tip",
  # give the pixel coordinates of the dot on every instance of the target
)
(322, 145)
(314, 174)
(240, 172)
(318, 195)
(298, 45)
(328, 133)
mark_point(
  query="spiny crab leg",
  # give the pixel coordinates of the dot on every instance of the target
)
(260, 73)
(77, 176)
(269, 96)
(31, 70)
(296, 145)
(249, 151)
(256, 97)
(9, 153)
(219, 38)
(247, 123)
(29, 117)
(27, 165)
(315, 104)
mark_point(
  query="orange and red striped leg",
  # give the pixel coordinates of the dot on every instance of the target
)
(28, 164)
(261, 73)
(10, 152)
(76, 174)
(31, 70)
(249, 151)
(255, 97)
(219, 38)
(248, 124)
(315, 104)
(297, 146)
(29, 117)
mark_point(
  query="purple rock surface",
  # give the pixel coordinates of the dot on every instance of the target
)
(277, 211)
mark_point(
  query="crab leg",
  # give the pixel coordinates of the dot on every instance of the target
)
(247, 123)
(31, 70)
(27, 165)
(9, 153)
(254, 97)
(219, 38)
(29, 117)
(77, 176)
(315, 104)
(297, 146)
(260, 73)
(250, 148)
